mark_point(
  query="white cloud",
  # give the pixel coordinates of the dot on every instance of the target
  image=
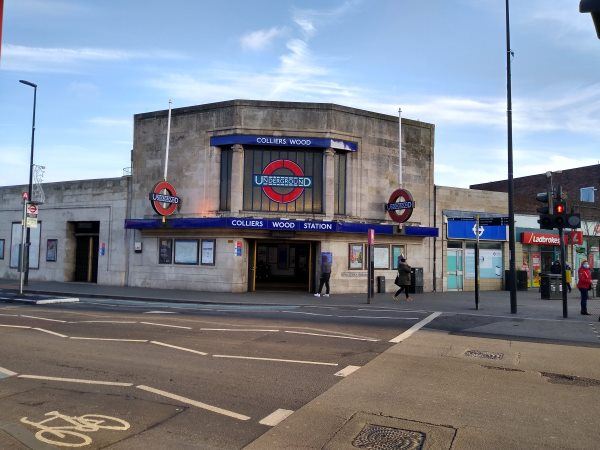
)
(111, 122)
(260, 39)
(61, 59)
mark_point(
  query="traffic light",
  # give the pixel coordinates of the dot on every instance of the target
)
(573, 220)
(593, 7)
(560, 214)
(546, 219)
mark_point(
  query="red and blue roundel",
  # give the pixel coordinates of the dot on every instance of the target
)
(282, 180)
(163, 198)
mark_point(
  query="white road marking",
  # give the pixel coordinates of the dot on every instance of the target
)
(105, 321)
(276, 417)
(8, 373)
(43, 318)
(334, 336)
(160, 312)
(74, 380)
(237, 329)
(50, 332)
(308, 314)
(9, 315)
(277, 360)
(191, 402)
(57, 300)
(164, 325)
(178, 348)
(14, 326)
(347, 371)
(382, 317)
(417, 326)
(108, 339)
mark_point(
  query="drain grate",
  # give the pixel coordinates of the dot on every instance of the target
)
(484, 355)
(572, 380)
(507, 369)
(376, 437)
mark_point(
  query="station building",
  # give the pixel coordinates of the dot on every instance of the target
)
(257, 195)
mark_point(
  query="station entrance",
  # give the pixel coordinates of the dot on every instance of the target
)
(276, 265)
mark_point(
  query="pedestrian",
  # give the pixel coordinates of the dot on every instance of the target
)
(403, 279)
(584, 285)
(325, 275)
(568, 276)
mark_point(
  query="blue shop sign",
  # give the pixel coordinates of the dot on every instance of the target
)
(465, 229)
(283, 141)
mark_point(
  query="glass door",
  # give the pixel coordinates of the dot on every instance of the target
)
(454, 272)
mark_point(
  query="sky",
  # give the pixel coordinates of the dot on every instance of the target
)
(99, 62)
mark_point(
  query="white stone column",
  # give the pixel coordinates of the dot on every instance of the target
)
(237, 178)
(329, 183)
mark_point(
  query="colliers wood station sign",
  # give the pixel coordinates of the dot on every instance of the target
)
(163, 198)
(400, 205)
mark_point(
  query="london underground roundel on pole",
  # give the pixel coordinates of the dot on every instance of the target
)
(400, 205)
(279, 186)
(163, 203)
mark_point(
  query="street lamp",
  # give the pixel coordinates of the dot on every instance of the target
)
(28, 238)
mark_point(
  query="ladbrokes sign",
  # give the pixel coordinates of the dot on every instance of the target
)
(531, 238)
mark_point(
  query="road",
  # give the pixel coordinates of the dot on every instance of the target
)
(181, 375)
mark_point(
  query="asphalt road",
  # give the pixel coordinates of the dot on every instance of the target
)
(179, 375)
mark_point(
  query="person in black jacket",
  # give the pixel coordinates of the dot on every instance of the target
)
(403, 279)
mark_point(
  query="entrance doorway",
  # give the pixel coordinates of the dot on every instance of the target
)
(454, 272)
(87, 236)
(281, 266)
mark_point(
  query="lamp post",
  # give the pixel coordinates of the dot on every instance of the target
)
(511, 184)
(28, 238)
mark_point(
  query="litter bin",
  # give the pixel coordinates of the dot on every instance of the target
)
(550, 286)
(381, 285)
(521, 280)
(416, 280)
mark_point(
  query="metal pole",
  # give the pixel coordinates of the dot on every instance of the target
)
(368, 275)
(28, 240)
(168, 139)
(511, 184)
(563, 273)
(22, 249)
(477, 262)
(399, 146)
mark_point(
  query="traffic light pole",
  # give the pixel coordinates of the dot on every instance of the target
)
(563, 272)
(477, 262)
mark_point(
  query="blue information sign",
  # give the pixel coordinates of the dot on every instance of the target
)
(465, 229)
(283, 141)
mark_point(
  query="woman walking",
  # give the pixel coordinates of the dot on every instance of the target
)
(403, 279)
(584, 284)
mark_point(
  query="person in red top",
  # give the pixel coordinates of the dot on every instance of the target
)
(584, 285)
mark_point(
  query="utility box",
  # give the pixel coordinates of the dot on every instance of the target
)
(550, 286)
(416, 280)
(381, 285)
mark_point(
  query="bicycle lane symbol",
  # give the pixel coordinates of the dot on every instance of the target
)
(71, 431)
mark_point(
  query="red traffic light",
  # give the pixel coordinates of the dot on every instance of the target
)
(559, 209)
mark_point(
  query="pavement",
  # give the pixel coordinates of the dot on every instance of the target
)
(459, 378)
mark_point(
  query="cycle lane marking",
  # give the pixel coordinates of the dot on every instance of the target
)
(75, 380)
(334, 336)
(276, 360)
(165, 325)
(276, 417)
(107, 339)
(163, 344)
(238, 329)
(195, 403)
(416, 327)
(43, 330)
(43, 318)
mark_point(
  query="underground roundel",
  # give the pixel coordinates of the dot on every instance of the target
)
(400, 205)
(164, 198)
(282, 180)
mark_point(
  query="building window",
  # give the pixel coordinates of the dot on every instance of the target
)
(186, 251)
(34, 249)
(283, 181)
(1, 248)
(339, 190)
(208, 252)
(165, 251)
(225, 180)
(586, 194)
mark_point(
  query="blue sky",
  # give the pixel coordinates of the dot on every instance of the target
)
(442, 61)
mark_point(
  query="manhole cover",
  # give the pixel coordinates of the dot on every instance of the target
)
(572, 380)
(377, 437)
(484, 355)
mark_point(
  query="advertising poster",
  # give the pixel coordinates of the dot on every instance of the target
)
(490, 263)
(381, 257)
(51, 245)
(356, 256)
(208, 252)
(165, 251)
(536, 267)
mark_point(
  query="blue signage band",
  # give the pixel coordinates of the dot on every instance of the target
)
(283, 141)
(250, 223)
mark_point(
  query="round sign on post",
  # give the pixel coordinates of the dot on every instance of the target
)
(164, 204)
(400, 205)
(32, 210)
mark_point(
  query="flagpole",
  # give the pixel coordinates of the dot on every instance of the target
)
(168, 139)
(400, 146)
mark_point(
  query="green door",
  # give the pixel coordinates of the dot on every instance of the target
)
(454, 272)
